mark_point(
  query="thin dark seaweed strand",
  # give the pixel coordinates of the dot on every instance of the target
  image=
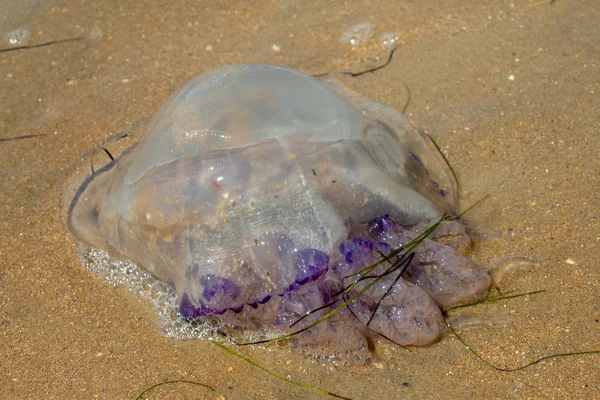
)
(92, 157)
(366, 71)
(402, 271)
(388, 271)
(492, 299)
(339, 295)
(446, 160)
(407, 248)
(375, 265)
(550, 2)
(529, 364)
(399, 264)
(478, 202)
(22, 137)
(172, 382)
(384, 257)
(379, 333)
(315, 310)
(33, 46)
(256, 365)
(489, 297)
(407, 99)
(326, 316)
(399, 249)
(394, 266)
(391, 340)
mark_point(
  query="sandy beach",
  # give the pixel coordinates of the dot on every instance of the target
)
(509, 90)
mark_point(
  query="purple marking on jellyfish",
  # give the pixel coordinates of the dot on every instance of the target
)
(418, 160)
(264, 299)
(310, 265)
(349, 222)
(326, 297)
(238, 309)
(355, 249)
(383, 248)
(435, 185)
(347, 249)
(380, 225)
(217, 288)
(192, 271)
(439, 189)
(194, 312)
(188, 310)
(257, 303)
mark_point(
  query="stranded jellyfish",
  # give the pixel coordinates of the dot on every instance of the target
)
(260, 194)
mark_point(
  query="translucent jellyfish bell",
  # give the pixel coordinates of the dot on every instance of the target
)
(249, 179)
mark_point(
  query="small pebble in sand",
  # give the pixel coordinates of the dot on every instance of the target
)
(511, 77)
(275, 47)
(570, 261)
(230, 369)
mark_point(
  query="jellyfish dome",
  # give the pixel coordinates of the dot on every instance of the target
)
(258, 192)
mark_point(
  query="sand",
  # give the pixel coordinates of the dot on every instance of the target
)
(509, 90)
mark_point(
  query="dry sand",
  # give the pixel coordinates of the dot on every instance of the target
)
(510, 91)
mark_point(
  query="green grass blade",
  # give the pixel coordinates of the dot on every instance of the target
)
(256, 365)
(529, 364)
(172, 382)
(492, 299)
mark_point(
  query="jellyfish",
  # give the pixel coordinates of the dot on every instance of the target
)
(262, 194)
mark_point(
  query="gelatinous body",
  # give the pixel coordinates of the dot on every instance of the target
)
(256, 189)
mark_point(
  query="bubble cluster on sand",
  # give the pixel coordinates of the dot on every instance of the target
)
(119, 273)
(128, 275)
(18, 37)
(363, 35)
(389, 40)
(358, 34)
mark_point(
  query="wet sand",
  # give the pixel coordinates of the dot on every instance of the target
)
(510, 92)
